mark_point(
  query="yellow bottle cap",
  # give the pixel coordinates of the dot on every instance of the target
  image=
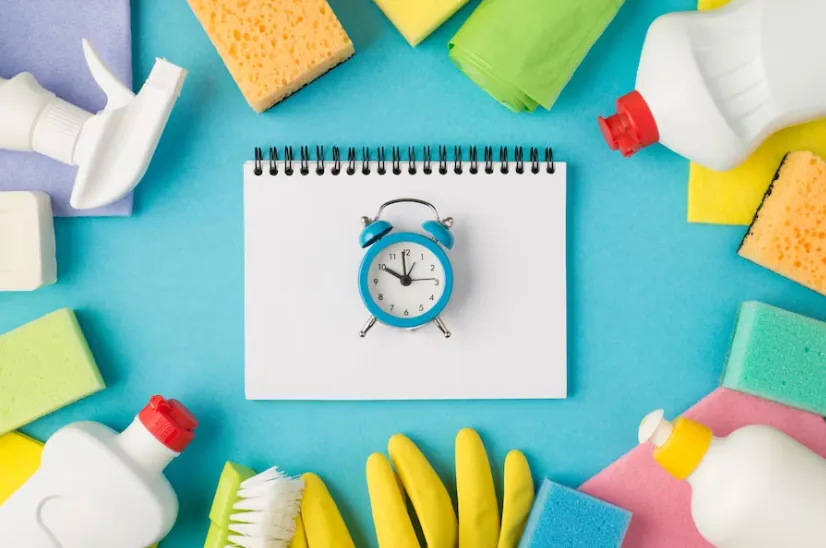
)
(680, 446)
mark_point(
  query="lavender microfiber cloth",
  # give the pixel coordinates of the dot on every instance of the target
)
(43, 37)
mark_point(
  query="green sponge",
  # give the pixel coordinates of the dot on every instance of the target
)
(226, 495)
(217, 537)
(44, 365)
(779, 356)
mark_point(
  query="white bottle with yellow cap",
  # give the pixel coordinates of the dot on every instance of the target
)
(755, 488)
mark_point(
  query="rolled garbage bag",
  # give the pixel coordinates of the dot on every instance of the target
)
(524, 52)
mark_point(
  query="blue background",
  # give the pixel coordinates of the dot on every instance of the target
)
(160, 295)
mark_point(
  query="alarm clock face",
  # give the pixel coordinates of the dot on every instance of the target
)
(408, 279)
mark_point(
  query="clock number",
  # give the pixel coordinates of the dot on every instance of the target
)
(381, 297)
(433, 268)
(422, 256)
(392, 256)
(421, 307)
(436, 282)
(406, 252)
(392, 306)
(375, 281)
(406, 313)
(431, 297)
(382, 266)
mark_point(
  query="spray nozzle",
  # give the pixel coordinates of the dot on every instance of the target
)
(655, 428)
(112, 148)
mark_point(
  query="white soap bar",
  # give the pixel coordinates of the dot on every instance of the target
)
(27, 246)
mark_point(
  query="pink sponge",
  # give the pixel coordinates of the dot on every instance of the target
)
(661, 504)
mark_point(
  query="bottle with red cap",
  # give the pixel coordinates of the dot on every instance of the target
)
(713, 85)
(96, 488)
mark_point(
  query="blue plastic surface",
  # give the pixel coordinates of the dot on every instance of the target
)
(374, 232)
(364, 280)
(652, 299)
(439, 231)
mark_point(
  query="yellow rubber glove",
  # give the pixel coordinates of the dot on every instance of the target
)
(393, 525)
(478, 507)
(323, 524)
(300, 538)
(478, 524)
(519, 495)
(427, 493)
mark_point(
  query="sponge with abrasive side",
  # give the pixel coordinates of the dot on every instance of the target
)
(779, 356)
(564, 518)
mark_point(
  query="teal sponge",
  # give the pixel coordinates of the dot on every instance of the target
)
(564, 518)
(44, 365)
(779, 356)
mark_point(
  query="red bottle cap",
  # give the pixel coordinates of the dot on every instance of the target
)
(632, 128)
(170, 422)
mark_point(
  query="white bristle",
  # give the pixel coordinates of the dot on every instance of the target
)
(262, 530)
(268, 506)
(283, 520)
(247, 542)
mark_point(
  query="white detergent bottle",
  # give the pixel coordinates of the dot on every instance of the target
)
(713, 85)
(96, 488)
(755, 488)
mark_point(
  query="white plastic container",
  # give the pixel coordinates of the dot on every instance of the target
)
(111, 148)
(99, 489)
(713, 85)
(755, 488)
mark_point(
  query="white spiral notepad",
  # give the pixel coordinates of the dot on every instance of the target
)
(303, 309)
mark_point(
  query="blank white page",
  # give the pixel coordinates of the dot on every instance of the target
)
(303, 311)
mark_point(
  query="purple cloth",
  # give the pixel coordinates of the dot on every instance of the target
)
(43, 37)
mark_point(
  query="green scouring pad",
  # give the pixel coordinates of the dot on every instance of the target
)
(44, 365)
(779, 356)
(226, 495)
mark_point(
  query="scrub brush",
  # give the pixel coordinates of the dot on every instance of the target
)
(254, 511)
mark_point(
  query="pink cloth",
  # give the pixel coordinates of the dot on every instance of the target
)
(660, 503)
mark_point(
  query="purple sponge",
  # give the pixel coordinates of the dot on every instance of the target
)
(565, 518)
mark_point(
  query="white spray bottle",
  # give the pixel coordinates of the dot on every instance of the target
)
(96, 488)
(755, 488)
(112, 148)
(713, 85)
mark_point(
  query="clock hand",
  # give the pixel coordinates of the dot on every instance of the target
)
(404, 267)
(393, 273)
(421, 279)
(411, 270)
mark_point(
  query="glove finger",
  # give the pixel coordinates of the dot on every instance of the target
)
(478, 507)
(323, 523)
(393, 526)
(519, 495)
(426, 491)
(300, 538)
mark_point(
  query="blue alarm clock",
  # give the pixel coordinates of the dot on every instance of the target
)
(406, 278)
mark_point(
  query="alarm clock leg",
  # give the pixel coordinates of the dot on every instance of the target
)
(442, 327)
(370, 323)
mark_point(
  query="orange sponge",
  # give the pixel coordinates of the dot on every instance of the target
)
(788, 234)
(273, 47)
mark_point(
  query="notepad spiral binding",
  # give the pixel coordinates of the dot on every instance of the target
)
(351, 162)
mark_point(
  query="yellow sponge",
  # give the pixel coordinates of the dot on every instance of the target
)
(788, 234)
(19, 459)
(273, 47)
(416, 19)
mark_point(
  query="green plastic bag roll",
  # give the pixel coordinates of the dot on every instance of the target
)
(523, 52)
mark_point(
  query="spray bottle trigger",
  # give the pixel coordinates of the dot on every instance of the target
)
(117, 94)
